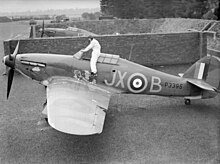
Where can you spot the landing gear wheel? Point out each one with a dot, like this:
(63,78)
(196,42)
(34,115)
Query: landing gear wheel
(187,101)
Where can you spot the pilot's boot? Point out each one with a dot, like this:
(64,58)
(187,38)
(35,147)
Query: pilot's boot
(93,74)
(92,77)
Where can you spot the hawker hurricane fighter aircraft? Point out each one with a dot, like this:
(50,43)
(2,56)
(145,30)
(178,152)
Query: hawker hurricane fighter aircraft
(61,32)
(77,106)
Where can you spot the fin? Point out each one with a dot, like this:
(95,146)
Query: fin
(205,73)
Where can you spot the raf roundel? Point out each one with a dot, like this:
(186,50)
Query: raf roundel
(137,83)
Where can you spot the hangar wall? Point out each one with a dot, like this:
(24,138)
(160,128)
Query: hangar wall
(145,49)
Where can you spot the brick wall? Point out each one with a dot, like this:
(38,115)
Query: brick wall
(145,49)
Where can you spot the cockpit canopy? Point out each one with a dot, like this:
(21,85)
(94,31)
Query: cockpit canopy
(108,58)
(103,58)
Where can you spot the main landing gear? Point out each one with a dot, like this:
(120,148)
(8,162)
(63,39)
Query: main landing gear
(187,101)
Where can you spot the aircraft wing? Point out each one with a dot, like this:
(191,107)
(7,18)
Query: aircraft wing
(76,107)
(201,84)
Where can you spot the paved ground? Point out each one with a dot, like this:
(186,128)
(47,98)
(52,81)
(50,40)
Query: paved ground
(138,129)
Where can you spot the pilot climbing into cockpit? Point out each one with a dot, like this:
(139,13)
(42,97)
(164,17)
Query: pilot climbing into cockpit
(96,50)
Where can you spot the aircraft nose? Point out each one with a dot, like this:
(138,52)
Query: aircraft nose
(8,62)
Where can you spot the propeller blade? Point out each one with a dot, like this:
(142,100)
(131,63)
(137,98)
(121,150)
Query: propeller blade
(31,33)
(16,49)
(10,80)
(14,53)
(42,31)
(11,70)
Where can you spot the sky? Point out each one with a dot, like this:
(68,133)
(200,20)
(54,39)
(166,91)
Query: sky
(33,5)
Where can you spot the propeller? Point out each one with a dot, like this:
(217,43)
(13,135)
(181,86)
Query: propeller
(31,32)
(11,64)
(10,80)
(42,31)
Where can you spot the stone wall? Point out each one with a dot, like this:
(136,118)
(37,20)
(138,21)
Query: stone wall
(145,49)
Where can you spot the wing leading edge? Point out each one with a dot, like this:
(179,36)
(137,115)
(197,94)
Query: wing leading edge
(76,108)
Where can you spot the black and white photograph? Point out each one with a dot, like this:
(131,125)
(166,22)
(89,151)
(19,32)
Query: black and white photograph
(110,81)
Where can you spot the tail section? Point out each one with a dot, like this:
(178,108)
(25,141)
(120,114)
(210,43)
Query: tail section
(205,74)
(206,69)
(213,76)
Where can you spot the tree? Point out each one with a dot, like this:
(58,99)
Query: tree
(91,16)
(154,8)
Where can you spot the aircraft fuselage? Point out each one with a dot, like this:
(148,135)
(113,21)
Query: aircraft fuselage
(126,76)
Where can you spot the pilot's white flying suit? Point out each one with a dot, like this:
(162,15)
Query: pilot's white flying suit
(95,46)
